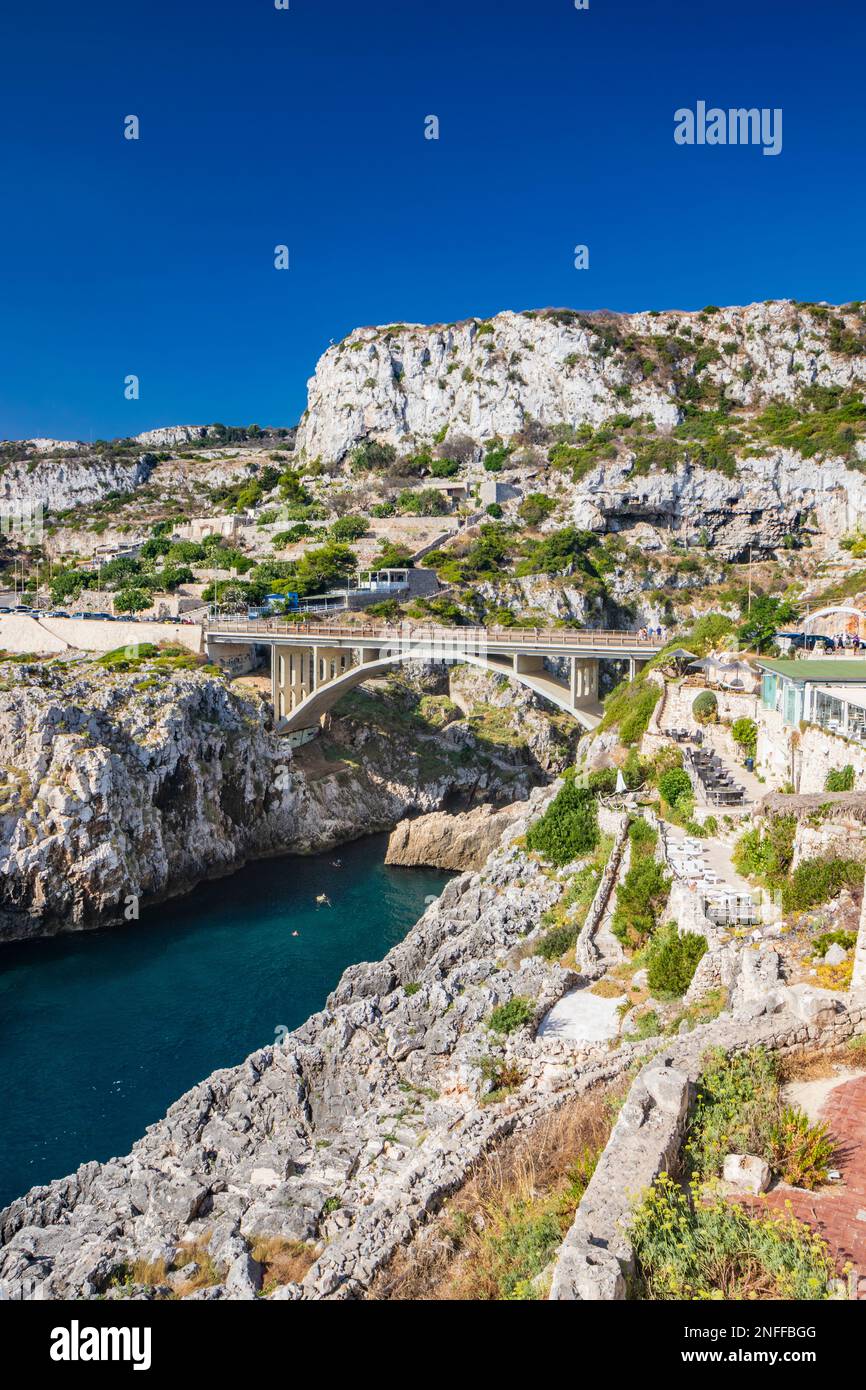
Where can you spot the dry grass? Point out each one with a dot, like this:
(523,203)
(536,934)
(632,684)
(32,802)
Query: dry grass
(285,1261)
(148,1272)
(496,1234)
(607,989)
(208,1273)
(812,1066)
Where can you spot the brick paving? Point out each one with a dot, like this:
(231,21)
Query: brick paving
(838,1212)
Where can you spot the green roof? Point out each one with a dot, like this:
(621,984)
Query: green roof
(821,671)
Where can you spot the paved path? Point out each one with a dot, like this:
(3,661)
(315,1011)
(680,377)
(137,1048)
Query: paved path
(581,1016)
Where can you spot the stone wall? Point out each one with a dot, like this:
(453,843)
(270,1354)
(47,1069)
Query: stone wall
(732,704)
(858,980)
(48,636)
(587,954)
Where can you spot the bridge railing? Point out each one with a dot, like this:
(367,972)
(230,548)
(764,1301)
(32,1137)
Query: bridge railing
(441,636)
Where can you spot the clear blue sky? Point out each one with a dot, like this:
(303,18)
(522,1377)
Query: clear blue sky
(305,127)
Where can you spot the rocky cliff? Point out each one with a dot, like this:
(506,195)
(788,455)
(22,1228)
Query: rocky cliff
(443,841)
(708,427)
(489,379)
(71,479)
(119,787)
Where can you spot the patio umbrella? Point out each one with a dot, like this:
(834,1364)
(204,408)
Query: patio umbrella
(679,654)
(620,783)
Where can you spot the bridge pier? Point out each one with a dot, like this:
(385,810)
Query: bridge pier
(528,661)
(584,681)
(635,664)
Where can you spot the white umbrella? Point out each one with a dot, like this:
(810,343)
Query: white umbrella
(620,782)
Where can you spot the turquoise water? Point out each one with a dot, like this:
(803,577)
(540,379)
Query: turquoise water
(100,1032)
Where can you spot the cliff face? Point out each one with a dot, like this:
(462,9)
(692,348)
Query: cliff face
(491,379)
(70,480)
(133,785)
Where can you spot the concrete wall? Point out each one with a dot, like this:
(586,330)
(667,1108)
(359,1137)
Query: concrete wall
(819,752)
(48,636)
(806,757)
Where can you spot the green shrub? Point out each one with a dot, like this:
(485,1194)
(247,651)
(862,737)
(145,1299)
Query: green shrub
(840,779)
(705,707)
(640,898)
(800,1152)
(768,854)
(554,944)
(745,732)
(671,961)
(629,708)
(569,826)
(821,944)
(819,880)
(642,836)
(736,1099)
(602,782)
(507,1018)
(739,1109)
(674,785)
(717,1249)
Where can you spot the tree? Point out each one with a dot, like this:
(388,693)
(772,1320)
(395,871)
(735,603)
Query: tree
(535,508)
(323,568)
(373,456)
(66,585)
(132,600)
(292,489)
(768,615)
(444,468)
(187,552)
(427,501)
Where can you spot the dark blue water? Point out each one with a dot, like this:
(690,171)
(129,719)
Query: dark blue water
(100,1032)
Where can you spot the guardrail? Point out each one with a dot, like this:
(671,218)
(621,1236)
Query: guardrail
(453,636)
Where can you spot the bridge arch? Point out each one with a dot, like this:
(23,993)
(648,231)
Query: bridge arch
(579,697)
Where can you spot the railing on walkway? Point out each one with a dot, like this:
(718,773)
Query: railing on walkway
(441,636)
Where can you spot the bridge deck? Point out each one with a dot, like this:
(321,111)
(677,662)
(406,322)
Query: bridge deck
(546,641)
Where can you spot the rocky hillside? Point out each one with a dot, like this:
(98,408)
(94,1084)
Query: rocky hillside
(706,424)
(344,1134)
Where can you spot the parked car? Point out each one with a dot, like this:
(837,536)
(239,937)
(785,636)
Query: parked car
(5,610)
(56,613)
(23,608)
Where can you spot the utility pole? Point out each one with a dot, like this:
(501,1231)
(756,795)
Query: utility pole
(750,579)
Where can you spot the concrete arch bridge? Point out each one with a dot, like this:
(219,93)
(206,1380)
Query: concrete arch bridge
(313,665)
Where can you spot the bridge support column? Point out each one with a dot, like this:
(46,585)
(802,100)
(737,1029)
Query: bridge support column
(527,661)
(584,681)
(635,664)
